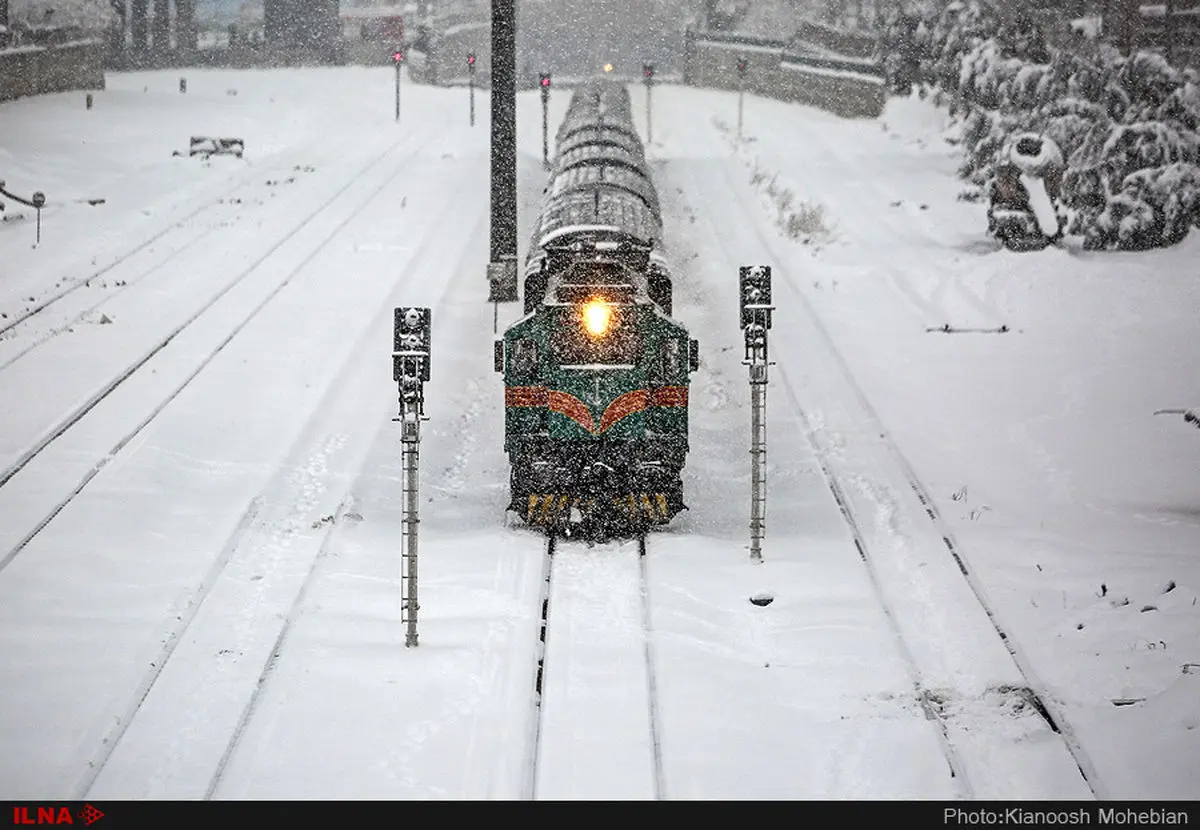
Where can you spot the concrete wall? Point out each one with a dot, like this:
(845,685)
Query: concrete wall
(36,70)
(844,43)
(446,60)
(843,92)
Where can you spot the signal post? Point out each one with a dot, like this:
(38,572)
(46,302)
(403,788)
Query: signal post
(397,59)
(410,369)
(471,83)
(648,76)
(544,84)
(754,292)
(741,70)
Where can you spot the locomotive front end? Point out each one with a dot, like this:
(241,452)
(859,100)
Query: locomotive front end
(596,393)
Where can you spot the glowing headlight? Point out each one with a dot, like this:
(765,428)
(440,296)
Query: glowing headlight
(608,67)
(597,317)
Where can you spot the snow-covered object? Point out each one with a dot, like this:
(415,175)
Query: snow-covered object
(1040,204)
(1034,155)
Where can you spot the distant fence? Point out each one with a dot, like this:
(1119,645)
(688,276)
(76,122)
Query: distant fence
(34,70)
(852,87)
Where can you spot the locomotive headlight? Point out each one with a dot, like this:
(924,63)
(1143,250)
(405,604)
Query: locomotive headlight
(597,317)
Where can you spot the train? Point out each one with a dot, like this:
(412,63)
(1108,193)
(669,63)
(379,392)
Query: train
(596,372)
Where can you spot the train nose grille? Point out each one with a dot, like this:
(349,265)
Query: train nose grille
(548,509)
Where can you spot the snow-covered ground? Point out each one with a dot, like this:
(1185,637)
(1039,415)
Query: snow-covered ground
(983,548)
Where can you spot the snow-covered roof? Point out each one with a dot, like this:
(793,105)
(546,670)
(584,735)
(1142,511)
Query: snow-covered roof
(830,72)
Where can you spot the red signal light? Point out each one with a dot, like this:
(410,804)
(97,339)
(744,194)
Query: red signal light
(398,56)
(545,81)
(471,59)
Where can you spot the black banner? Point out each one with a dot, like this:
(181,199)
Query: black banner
(102,815)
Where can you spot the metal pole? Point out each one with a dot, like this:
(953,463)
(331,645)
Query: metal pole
(758,459)
(545,127)
(754,286)
(649,128)
(397,91)
(502,267)
(741,95)
(1170,37)
(411,438)
(412,337)
(471,85)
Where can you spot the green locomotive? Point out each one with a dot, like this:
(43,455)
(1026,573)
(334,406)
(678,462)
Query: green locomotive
(596,373)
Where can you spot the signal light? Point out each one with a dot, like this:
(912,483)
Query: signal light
(544,80)
(410,350)
(397,56)
(755,295)
(471,59)
(648,70)
(608,67)
(741,65)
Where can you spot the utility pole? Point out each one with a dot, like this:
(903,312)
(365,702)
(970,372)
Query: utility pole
(502,265)
(754,290)
(410,369)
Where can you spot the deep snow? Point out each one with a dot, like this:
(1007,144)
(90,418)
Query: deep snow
(199,577)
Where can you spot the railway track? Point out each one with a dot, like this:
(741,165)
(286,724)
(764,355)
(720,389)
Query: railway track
(968,678)
(126,258)
(943,299)
(595,697)
(246,624)
(889,463)
(324,223)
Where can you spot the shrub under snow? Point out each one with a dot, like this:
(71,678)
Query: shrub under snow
(1129,127)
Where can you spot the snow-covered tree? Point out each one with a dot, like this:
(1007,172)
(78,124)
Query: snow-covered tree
(1128,126)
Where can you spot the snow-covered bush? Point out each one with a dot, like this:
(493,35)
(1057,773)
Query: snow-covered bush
(1128,126)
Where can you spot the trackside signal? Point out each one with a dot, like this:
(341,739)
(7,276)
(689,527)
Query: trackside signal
(754,300)
(411,334)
